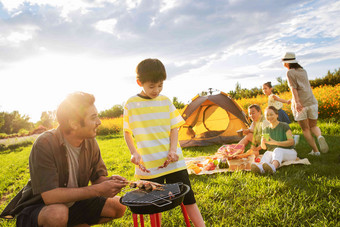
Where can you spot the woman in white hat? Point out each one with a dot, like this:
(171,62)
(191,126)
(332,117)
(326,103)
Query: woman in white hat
(304,104)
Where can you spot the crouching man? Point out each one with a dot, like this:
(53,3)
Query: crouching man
(62,163)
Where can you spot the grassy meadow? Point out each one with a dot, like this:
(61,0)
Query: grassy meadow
(297,195)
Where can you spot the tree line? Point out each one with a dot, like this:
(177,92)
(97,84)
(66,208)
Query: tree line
(331,78)
(15,123)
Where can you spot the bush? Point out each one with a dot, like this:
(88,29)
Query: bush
(38,130)
(115,112)
(177,104)
(12,122)
(23,132)
(330,79)
(329,128)
(3,136)
(110,126)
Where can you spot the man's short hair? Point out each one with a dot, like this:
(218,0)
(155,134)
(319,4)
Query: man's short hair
(74,107)
(257,107)
(151,70)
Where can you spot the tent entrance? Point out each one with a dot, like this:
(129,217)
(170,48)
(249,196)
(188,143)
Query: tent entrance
(212,121)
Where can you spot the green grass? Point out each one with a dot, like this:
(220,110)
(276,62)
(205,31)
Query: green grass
(297,195)
(327,128)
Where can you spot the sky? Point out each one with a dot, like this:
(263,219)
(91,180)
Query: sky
(50,48)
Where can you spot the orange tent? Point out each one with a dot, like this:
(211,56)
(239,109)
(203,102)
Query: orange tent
(212,119)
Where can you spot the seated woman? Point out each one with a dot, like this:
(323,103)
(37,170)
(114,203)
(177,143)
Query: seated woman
(278,140)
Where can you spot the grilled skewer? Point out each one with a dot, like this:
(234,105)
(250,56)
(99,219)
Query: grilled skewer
(165,164)
(146,185)
(141,167)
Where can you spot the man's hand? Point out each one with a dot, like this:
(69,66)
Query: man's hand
(117,178)
(111,187)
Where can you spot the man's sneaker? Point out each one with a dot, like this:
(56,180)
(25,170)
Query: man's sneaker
(314,153)
(269,168)
(257,168)
(323,144)
(296,139)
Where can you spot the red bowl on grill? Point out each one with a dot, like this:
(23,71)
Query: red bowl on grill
(155,205)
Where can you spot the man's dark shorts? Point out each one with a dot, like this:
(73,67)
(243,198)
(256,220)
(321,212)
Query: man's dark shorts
(86,211)
(179,176)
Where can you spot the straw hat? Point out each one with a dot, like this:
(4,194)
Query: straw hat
(289,57)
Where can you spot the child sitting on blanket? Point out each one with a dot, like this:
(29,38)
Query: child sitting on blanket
(278,140)
(154,122)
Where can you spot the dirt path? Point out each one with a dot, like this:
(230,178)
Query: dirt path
(15,140)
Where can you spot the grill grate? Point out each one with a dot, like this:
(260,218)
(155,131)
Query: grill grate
(139,196)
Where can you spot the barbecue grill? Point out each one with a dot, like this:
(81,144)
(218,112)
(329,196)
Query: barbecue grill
(142,202)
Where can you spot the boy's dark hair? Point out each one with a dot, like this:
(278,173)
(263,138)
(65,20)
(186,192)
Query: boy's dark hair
(294,66)
(257,107)
(273,109)
(268,84)
(151,70)
(74,107)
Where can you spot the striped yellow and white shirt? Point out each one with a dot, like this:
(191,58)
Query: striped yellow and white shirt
(150,121)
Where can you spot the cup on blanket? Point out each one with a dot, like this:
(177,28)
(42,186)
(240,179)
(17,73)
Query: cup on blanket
(266,136)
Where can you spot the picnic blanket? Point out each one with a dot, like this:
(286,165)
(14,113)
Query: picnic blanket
(304,161)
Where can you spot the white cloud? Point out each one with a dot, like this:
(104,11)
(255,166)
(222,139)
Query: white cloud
(315,22)
(213,43)
(132,4)
(106,25)
(11,4)
(21,34)
(66,6)
(15,37)
(168,5)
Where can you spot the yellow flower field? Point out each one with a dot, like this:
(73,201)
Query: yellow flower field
(110,126)
(328,98)
(329,101)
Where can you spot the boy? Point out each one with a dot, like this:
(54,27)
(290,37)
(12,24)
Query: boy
(154,122)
